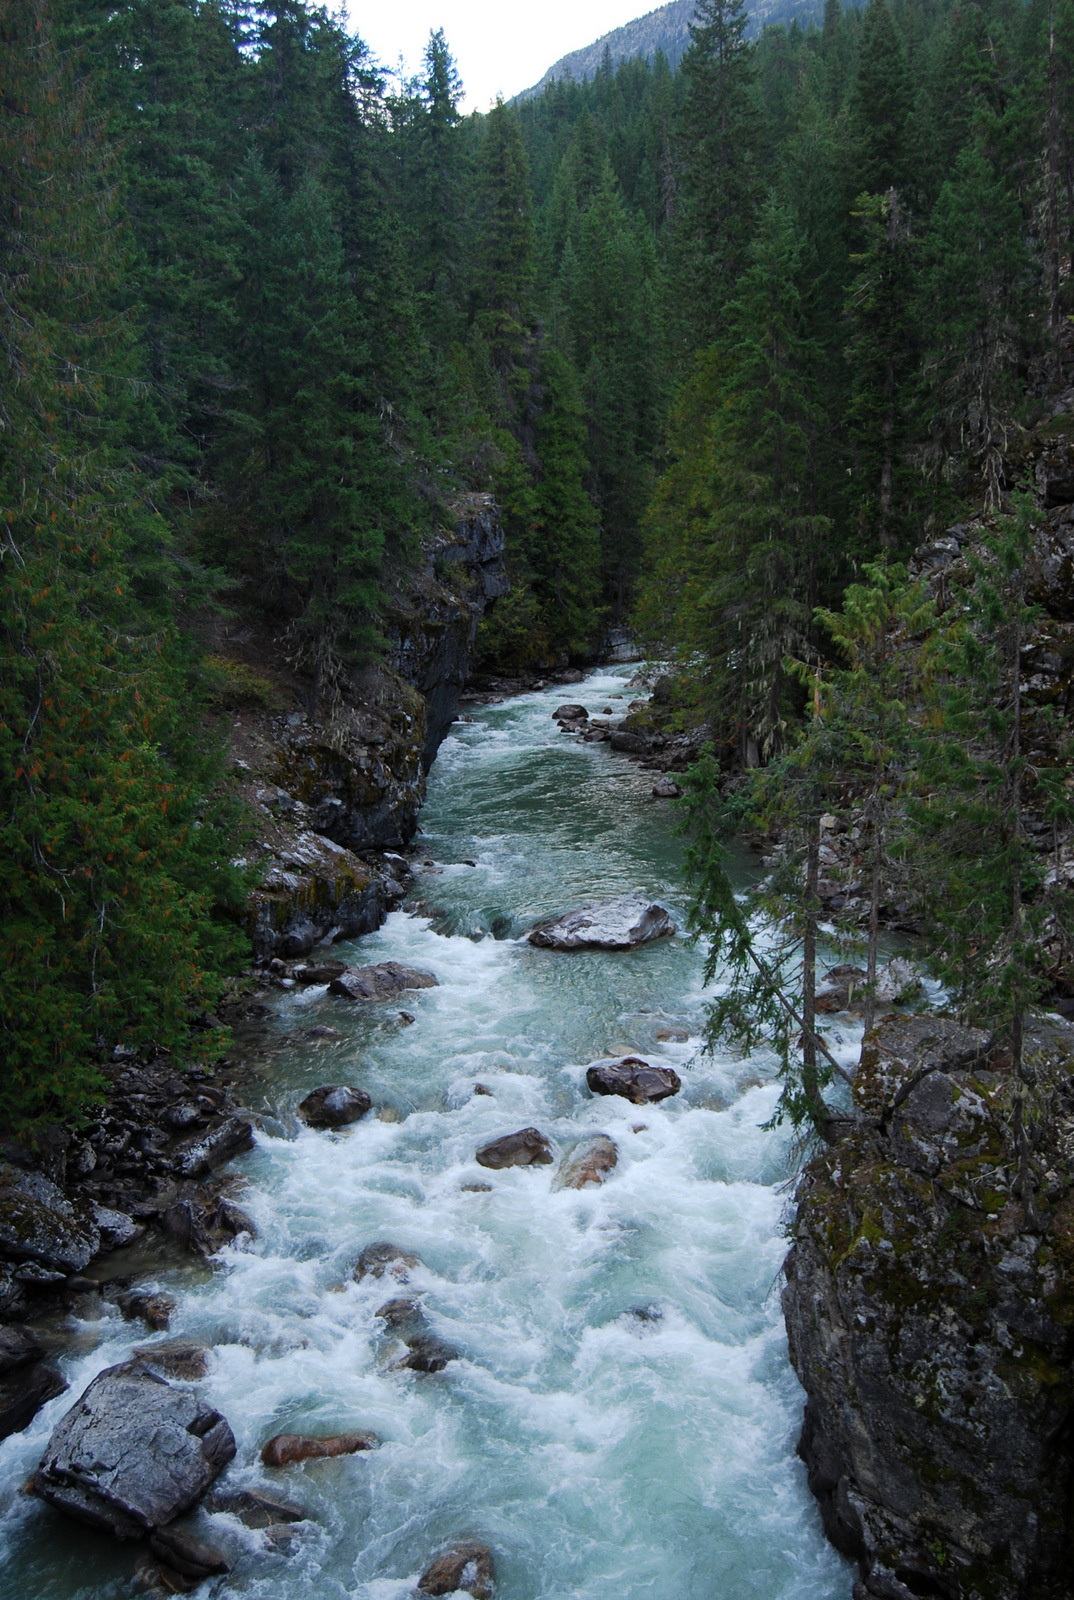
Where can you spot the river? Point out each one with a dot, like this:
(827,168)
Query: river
(621,1420)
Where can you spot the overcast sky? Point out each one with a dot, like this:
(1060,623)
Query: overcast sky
(499,48)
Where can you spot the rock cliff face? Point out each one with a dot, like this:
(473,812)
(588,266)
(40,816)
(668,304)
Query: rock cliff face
(929,1302)
(336,793)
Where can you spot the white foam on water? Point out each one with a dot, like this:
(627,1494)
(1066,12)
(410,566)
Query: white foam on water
(621,1418)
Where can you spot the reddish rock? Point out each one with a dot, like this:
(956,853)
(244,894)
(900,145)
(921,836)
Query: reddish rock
(285,1448)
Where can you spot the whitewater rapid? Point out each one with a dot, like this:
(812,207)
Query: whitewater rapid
(621,1420)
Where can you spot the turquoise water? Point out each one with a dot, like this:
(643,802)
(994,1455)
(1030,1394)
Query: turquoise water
(600,1453)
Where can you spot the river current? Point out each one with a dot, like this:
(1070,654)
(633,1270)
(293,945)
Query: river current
(620,1422)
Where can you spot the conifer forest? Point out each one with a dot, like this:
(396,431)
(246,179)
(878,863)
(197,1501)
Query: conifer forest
(760,371)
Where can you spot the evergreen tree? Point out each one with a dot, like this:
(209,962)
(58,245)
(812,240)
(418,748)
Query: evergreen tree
(974,310)
(883,352)
(744,487)
(882,103)
(107,881)
(504,267)
(719,137)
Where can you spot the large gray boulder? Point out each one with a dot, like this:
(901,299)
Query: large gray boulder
(133,1453)
(38,1224)
(620,923)
(379,982)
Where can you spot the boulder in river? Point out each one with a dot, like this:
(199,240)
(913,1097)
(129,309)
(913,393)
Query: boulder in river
(38,1224)
(377,1259)
(589,1162)
(526,1148)
(666,789)
(571,713)
(634,1079)
(133,1453)
(842,987)
(379,982)
(285,1448)
(334,1106)
(425,1351)
(26,1381)
(465,1567)
(620,923)
(196,1157)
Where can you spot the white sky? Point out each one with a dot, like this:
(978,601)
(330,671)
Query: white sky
(499,48)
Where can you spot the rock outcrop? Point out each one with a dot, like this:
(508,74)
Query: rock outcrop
(929,1302)
(620,923)
(133,1453)
(26,1379)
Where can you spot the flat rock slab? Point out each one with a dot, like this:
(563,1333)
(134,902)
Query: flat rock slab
(635,1080)
(465,1567)
(286,1448)
(588,1162)
(133,1453)
(334,1106)
(526,1148)
(620,923)
(380,982)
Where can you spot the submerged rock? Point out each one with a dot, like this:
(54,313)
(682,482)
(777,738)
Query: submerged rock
(426,1352)
(184,1359)
(253,1509)
(588,1162)
(377,1259)
(133,1453)
(154,1309)
(286,1448)
(334,1106)
(184,1553)
(634,1079)
(620,923)
(465,1567)
(379,982)
(526,1148)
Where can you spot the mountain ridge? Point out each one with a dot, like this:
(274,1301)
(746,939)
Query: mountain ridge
(667,29)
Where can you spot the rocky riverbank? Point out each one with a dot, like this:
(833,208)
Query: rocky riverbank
(332,796)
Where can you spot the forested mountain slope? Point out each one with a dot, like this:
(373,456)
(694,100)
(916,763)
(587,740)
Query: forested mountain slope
(667,31)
